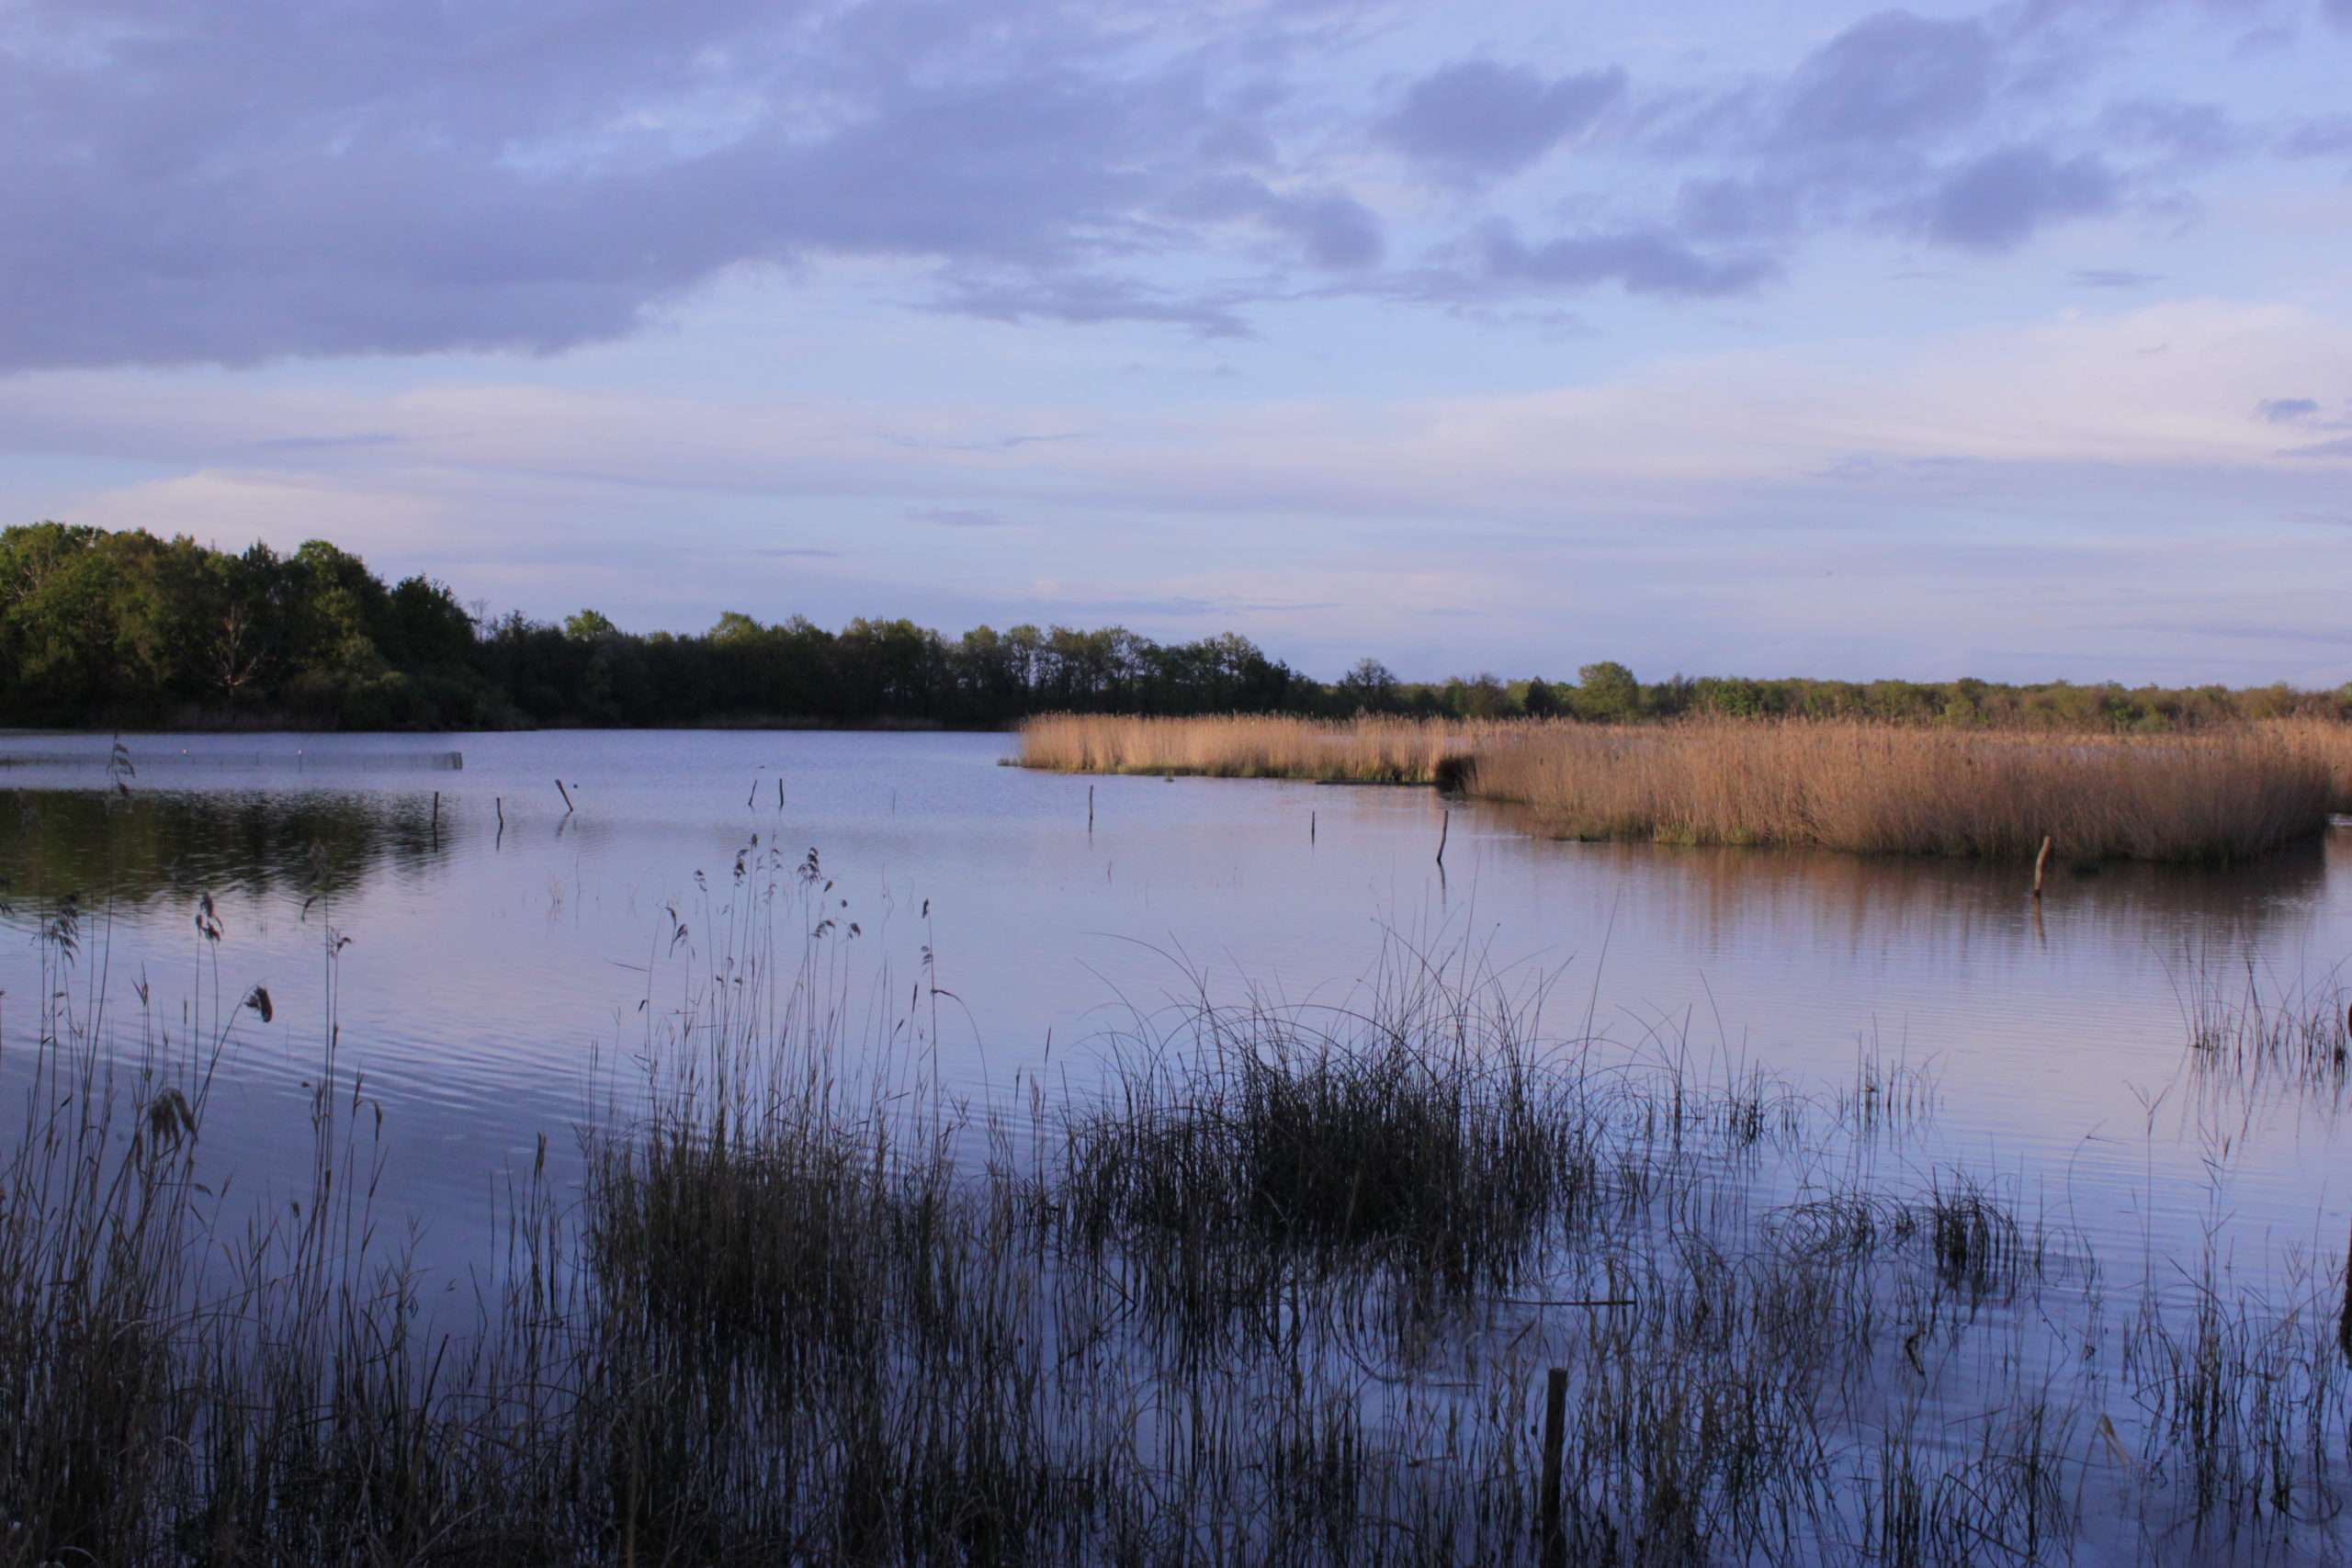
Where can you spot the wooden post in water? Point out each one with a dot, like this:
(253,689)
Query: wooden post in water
(2040,862)
(1089,809)
(1444,826)
(1555,1412)
(779,792)
(2344,1324)
(436,813)
(567,796)
(1310,827)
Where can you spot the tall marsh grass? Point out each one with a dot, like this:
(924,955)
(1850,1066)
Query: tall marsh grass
(2212,797)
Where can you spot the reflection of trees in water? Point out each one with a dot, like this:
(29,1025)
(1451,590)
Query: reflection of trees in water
(1869,899)
(152,845)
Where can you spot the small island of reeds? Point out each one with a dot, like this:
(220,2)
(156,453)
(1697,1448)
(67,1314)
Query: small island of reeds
(2210,796)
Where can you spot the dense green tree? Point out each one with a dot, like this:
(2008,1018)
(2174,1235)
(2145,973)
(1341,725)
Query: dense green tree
(1606,692)
(106,628)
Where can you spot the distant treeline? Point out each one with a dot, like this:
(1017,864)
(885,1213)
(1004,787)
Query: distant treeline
(122,629)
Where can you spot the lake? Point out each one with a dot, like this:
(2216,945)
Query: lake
(1897,1207)
(498,954)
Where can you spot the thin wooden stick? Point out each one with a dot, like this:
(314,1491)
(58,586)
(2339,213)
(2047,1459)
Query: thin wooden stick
(1089,809)
(2040,862)
(2344,1323)
(1444,826)
(567,796)
(1555,1410)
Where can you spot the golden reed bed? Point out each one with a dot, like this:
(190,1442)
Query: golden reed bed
(2213,796)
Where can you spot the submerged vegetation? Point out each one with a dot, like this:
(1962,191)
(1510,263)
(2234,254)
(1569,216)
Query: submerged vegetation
(125,629)
(2213,796)
(1290,1286)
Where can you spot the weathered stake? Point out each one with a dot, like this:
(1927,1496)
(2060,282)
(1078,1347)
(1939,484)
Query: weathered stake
(1310,827)
(2344,1323)
(436,813)
(779,792)
(2041,861)
(1444,826)
(1555,1412)
(567,796)
(1089,809)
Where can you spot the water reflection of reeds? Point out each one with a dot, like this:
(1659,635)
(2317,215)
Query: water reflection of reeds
(1822,897)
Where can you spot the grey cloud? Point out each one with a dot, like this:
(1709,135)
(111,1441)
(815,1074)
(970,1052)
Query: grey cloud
(387,177)
(2338,11)
(1331,228)
(327,443)
(1734,208)
(793,553)
(1891,77)
(1238,141)
(1478,118)
(1883,126)
(2341,448)
(1335,230)
(2186,132)
(1998,201)
(1087,298)
(2267,40)
(2321,138)
(2114,277)
(2286,411)
(1641,260)
(959,517)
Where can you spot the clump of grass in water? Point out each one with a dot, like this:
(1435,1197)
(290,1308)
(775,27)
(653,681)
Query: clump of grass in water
(2298,1036)
(1420,1141)
(1978,1246)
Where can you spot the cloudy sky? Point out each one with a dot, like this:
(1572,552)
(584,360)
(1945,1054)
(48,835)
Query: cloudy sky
(1768,336)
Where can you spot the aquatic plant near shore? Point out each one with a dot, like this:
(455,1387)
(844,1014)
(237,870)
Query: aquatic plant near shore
(791,1315)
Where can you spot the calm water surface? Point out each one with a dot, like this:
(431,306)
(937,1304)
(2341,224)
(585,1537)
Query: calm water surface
(492,985)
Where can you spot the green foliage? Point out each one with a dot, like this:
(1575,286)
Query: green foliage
(589,626)
(1606,692)
(101,628)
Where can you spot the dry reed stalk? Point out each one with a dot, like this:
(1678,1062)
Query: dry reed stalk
(2220,797)
(2323,741)
(1368,750)
(2216,795)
